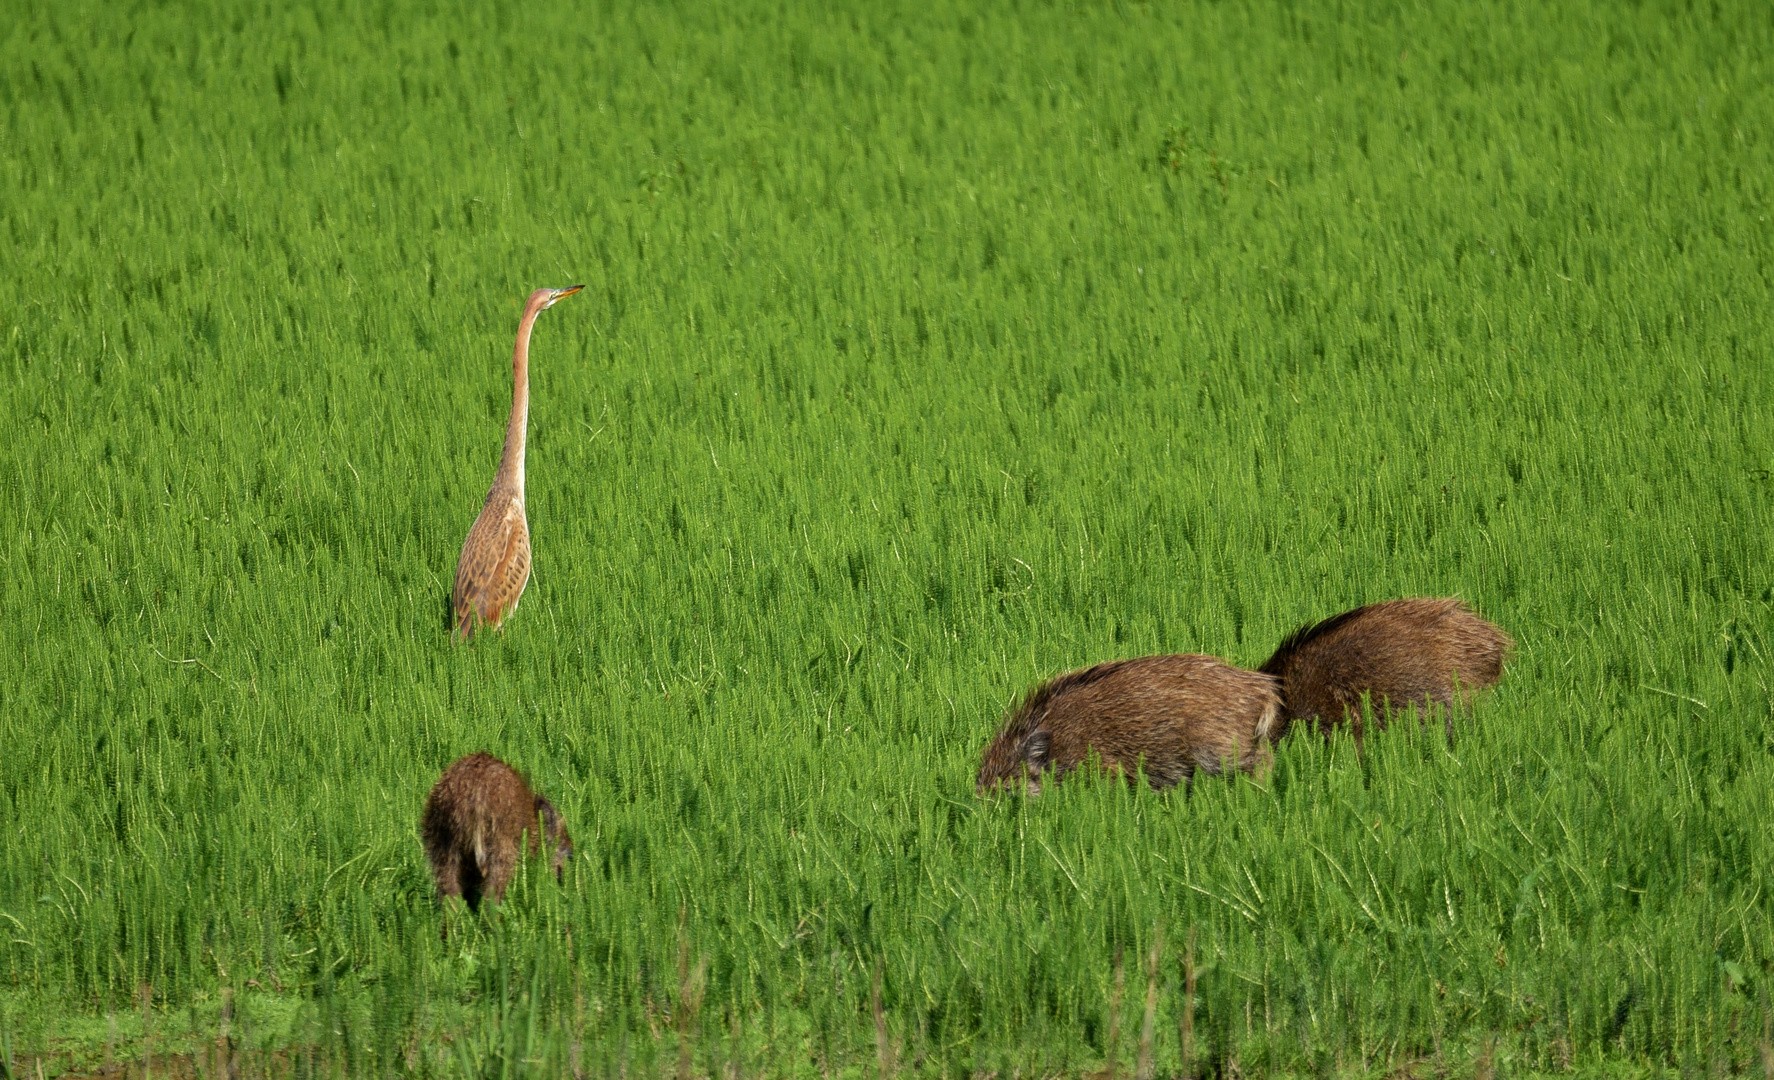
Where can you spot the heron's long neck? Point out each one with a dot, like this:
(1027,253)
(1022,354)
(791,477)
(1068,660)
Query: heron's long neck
(511,463)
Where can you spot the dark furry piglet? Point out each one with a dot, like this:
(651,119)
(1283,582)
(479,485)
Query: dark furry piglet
(474,826)
(1399,653)
(1171,715)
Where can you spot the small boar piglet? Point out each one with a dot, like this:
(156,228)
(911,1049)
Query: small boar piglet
(1398,654)
(474,825)
(1173,716)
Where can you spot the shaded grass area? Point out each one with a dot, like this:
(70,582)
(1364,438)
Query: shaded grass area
(924,356)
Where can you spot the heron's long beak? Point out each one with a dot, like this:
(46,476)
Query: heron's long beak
(562,294)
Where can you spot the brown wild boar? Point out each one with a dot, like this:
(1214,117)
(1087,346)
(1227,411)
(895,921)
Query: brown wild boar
(1174,715)
(1400,653)
(474,825)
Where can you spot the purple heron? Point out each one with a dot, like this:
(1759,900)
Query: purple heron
(495,562)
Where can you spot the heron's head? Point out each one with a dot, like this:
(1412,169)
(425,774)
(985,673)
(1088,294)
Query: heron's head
(556,295)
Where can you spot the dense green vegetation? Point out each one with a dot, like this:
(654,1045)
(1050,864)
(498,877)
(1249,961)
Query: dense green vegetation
(925,354)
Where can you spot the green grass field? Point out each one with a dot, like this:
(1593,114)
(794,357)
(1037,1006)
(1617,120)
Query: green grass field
(924,355)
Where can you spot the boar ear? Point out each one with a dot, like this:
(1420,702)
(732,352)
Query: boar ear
(551,818)
(1035,749)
